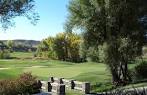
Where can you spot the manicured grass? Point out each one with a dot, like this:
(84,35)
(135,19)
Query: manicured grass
(43,69)
(70,71)
(9,73)
(22,55)
(47,68)
(96,73)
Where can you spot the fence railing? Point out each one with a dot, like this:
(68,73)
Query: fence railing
(58,85)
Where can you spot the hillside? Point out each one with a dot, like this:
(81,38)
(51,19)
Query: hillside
(31,43)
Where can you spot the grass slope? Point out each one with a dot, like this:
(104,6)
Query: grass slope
(43,69)
(47,68)
(96,73)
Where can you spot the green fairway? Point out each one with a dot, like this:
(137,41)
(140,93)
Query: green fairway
(43,69)
(22,55)
(47,68)
(96,73)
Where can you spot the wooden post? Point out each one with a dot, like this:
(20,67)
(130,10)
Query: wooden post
(49,87)
(86,87)
(51,79)
(61,89)
(58,89)
(72,84)
(60,81)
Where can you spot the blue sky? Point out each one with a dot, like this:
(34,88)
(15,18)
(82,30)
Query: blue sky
(52,13)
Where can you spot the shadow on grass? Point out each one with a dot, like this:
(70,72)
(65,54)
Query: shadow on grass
(100,81)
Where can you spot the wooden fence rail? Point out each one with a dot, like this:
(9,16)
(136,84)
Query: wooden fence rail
(58,85)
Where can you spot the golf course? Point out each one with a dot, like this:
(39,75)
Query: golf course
(96,73)
(73,47)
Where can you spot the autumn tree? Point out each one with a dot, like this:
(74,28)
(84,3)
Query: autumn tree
(64,46)
(49,45)
(60,46)
(114,23)
(73,46)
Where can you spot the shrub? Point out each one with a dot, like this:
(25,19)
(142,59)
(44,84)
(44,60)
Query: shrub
(8,87)
(25,84)
(4,54)
(141,70)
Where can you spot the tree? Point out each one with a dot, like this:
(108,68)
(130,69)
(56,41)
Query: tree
(114,23)
(10,9)
(4,51)
(60,46)
(10,43)
(64,46)
(50,45)
(73,46)
(42,49)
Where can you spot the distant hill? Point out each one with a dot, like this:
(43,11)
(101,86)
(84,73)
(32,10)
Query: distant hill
(30,43)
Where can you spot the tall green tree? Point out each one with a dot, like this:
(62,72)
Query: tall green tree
(114,23)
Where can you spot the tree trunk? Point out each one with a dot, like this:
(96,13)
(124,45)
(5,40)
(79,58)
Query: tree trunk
(118,65)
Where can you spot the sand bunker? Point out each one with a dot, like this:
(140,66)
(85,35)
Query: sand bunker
(4,68)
